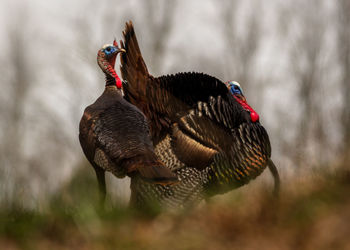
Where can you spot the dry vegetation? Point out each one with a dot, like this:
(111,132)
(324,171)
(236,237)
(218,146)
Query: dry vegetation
(312,213)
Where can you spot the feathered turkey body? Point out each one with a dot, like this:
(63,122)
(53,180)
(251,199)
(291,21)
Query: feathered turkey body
(114,134)
(210,139)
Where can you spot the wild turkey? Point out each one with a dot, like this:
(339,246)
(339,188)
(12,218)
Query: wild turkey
(209,137)
(114,134)
(237,92)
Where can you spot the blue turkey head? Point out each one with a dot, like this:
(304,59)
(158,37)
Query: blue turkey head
(109,50)
(235,88)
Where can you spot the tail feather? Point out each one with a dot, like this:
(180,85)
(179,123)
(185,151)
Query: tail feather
(133,68)
(133,56)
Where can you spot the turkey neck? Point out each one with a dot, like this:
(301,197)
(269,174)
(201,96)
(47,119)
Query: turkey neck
(107,66)
(110,80)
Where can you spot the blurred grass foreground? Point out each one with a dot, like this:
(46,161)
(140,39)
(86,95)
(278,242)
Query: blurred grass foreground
(312,213)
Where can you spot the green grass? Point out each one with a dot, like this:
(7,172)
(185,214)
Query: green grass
(311,213)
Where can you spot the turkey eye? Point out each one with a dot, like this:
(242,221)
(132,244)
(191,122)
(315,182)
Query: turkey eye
(108,49)
(236,87)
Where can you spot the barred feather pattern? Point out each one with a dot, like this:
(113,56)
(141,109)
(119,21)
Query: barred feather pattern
(248,159)
(187,193)
(165,153)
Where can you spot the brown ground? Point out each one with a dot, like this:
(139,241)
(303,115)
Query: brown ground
(311,213)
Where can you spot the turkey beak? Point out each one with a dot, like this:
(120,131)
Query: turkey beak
(120,50)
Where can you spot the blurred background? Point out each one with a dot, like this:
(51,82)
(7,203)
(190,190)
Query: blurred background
(292,59)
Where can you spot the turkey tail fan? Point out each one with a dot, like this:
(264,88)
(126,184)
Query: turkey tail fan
(133,66)
(276,177)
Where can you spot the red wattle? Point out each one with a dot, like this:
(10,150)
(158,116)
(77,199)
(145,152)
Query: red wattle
(254,116)
(118,82)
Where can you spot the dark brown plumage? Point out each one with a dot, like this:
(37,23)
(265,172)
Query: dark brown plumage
(199,130)
(114,134)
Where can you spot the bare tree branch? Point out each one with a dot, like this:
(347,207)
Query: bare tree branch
(242,46)
(307,36)
(158,17)
(343,32)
